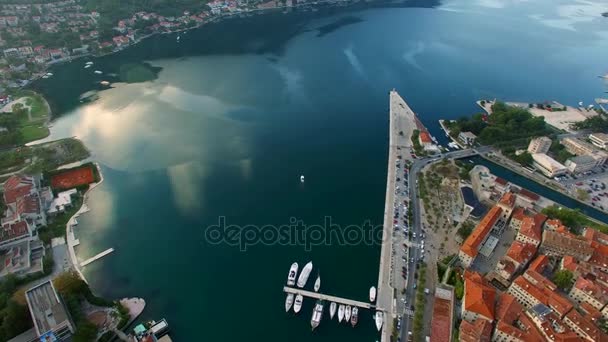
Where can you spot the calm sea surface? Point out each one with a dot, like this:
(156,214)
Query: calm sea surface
(240,109)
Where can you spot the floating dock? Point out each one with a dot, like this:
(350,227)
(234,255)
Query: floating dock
(329,298)
(98,256)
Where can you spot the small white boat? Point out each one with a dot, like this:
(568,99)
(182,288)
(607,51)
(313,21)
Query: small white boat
(340,313)
(318,283)
(105,83)
(317,314)
(347,312)
(98,72)
(355,316)
(89,63)
(303,278)
(302,179)
(288,302)
(49,74)
(372,294)
(379,319)
(87,66)
(293,272)
(332,310)
(297,305)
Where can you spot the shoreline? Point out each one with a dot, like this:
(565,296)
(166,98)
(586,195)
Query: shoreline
(69,227)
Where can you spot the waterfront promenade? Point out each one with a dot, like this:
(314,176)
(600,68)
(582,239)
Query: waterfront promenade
(401,127)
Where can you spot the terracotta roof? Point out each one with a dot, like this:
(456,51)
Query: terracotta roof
(539,263)
(28,205)
(13,230)
(530,328)
(569,263)
(507,308)
(479,296)
(592,289)
(529,194)
(15,187)
(479,331)
(573,318)
(598,258)
(508,199)
(560,304)
(500,181)
(471,244)
(518,214)
(441,321)
(425,137)
(531,229)
(530,288)
(518,334)
(595,235)
(590,311)
(521,252)
(553,223)
(567,242)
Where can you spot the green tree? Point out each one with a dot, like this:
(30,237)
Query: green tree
(563,279)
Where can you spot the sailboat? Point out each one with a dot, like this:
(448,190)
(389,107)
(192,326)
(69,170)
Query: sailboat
(288,302)
(298,303)
(379,319)
(318,282)
(347,312)
(340,313)
(332,310)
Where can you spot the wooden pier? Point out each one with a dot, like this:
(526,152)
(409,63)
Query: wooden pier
(329,298)
(98,256)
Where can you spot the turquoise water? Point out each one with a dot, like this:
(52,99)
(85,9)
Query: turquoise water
(241,108)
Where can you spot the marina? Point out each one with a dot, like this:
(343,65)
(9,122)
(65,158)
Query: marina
(330,298)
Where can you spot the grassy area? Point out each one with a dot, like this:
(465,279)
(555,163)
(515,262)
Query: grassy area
(418,324)
(33,132)
(573,219)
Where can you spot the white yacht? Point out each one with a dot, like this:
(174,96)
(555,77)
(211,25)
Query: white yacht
(318,283)
(293,272)
(372,294)
(87,66)
(302,179)
(379,319)
(303,278)
(332,310)
(340,313)
(98,72)
(298,303)
(317,314)
(347,312)
(288,302)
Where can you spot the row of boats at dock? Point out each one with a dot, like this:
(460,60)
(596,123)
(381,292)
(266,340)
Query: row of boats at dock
(346,313)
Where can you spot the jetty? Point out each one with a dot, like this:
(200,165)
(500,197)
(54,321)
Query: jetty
(97,257)
(330,298)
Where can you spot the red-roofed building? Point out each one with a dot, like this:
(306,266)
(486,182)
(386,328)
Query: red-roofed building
(553,224)
(424,138)
(539,264)
(517,217)
(479,298)
(526,293)
(508,308)
(15,232)
(556,243)
(23,201)
(560,304)
(470,247)
(551,327)
(583,327)
(443,309)
(531,230)
(594,235)
(589,311)
(527,199)
(516,258)
(478,331)
(587,291)
(17,186)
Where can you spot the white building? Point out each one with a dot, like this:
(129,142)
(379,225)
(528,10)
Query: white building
(599,139)
(580,164)
(548,166)
(539,145)
(467,138)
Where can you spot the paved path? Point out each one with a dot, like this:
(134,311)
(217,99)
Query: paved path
(329,298)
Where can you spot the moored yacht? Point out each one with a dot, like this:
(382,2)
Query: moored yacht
(340,313)
(372,294)
(293,272)
(379,319)
(347,312)
(301,178)
(288,302)
(303,278)
(317,314)
(298,303)
(318,283)
(332,310)
(354,316)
